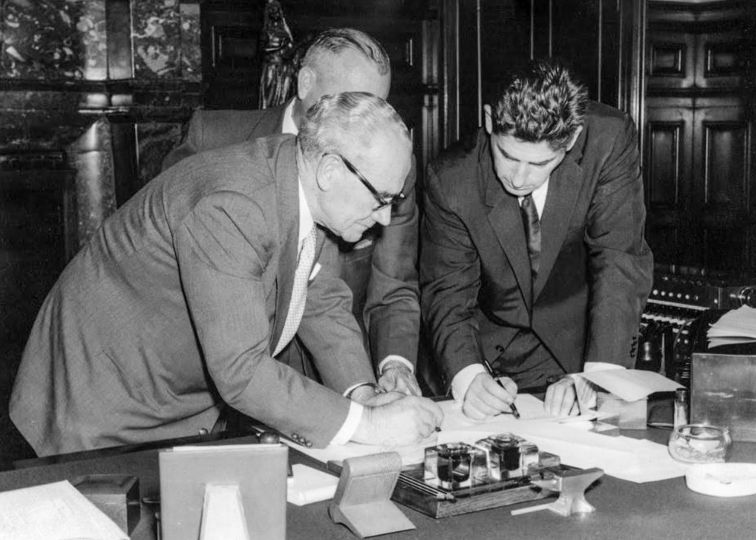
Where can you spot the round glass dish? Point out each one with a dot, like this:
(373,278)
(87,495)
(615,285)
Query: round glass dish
(699,443)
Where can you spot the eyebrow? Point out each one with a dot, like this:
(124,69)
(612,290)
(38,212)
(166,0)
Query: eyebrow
(537,163)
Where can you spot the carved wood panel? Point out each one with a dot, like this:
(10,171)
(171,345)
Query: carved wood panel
(699,135)
(669,162)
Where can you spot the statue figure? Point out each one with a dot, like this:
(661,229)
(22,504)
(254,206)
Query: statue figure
(280,57)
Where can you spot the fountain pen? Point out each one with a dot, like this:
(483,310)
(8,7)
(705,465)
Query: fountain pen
(492,373)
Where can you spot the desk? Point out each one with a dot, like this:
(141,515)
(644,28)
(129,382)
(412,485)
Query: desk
(664,509)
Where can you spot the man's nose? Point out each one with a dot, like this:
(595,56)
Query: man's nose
(383,215)
(520,176)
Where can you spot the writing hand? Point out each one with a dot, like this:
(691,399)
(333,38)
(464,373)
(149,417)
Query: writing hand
(485,398)
(403,421)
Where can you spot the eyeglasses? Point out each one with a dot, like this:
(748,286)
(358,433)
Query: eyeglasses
(383,202)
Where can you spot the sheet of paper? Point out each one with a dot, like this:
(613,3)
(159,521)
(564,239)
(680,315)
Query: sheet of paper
(54,511)
(454,421)
(635,460)
(623,457)
(631,384)
(308,485)
(734,327)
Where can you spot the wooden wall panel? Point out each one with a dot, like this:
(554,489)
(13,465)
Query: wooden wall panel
(668,163)
(698,63)
(672,57)
(664,162)
(726,178)
(491,37)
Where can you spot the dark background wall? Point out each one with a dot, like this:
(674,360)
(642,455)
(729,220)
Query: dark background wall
(93,94)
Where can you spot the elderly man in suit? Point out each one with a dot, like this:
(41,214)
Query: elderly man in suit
(180,300)
(533,255)
(379,267)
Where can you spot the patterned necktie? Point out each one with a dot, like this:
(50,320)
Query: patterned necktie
(298,291)
(532,232)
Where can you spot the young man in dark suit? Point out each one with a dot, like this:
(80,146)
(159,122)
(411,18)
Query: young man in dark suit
(177,306)
(533,255)
(380,267)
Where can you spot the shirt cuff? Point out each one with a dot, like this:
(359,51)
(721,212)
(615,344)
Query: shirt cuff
(397,358)
(349,426)
(462,380)
(348,392)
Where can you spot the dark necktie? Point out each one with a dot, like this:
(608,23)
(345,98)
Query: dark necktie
(532,232)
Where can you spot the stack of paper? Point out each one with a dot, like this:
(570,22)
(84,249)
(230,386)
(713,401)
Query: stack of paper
(307,485)
(631,384)
(53,512)
(734,327)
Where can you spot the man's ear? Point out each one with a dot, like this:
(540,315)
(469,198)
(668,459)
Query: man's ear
(488,118)
(326,173)
(305,82)
(578,131)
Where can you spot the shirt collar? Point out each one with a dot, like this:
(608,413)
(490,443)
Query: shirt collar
(288,125)
(539,197)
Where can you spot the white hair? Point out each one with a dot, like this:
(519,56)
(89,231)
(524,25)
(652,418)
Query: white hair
(346,123)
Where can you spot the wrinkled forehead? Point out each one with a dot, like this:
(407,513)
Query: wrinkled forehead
(516,149)
(387,161)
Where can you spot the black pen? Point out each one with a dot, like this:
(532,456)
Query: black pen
(491,372)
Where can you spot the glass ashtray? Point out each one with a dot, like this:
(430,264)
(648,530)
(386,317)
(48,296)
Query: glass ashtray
(699,443)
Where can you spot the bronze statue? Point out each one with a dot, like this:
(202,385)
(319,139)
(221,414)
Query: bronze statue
(279,57)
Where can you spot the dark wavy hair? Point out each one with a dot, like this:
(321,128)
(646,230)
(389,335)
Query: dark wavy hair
(541,102)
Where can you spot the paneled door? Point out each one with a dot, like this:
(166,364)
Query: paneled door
(699,134)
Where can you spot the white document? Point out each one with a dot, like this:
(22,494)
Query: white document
(631,459)
(631,384)
(54,511)
(307,485)
(734,327)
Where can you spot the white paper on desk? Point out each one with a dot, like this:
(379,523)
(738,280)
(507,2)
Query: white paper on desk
(54,511)
(631,384)
(307,485)
(529,407)
(454,422)
(635,460)
(623,457)
(734,327)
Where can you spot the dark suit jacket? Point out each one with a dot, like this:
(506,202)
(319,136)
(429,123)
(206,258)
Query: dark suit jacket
(595,270)
(381,270)
(173,308)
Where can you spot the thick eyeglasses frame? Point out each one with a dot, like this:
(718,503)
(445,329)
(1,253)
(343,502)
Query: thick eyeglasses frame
(382,201)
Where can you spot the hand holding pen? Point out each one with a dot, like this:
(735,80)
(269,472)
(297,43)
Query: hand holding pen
(487,396)
(492,373)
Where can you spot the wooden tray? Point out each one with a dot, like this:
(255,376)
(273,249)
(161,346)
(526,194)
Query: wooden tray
(437,502)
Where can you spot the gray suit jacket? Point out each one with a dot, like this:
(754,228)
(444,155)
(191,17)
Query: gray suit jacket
(595,270)
(174,307)
(381,270)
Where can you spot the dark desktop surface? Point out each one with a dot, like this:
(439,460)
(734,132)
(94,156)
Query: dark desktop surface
(664,509)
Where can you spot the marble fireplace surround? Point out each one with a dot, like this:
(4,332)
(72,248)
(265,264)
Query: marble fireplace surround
(99,88)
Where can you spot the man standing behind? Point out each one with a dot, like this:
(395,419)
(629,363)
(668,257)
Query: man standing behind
(533,254)
(380,267)
(179,302)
